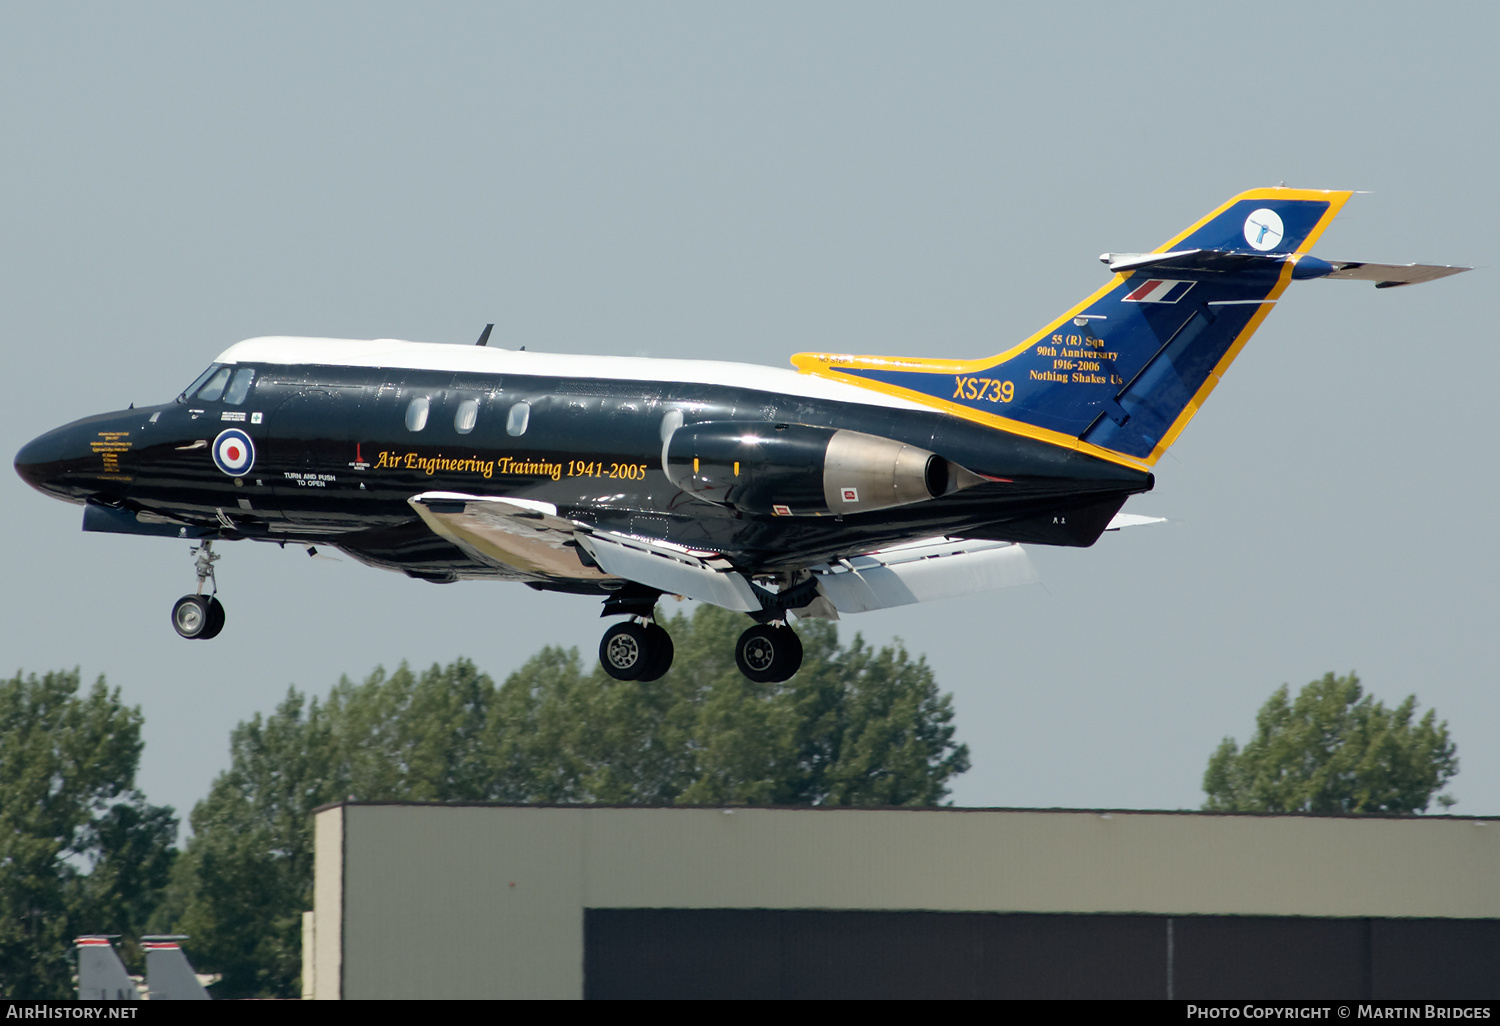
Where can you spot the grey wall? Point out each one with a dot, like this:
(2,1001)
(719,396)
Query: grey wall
(483,901)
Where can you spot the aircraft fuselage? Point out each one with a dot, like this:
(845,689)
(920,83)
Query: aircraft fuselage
(336,451)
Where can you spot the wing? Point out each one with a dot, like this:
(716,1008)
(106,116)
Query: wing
(528,537)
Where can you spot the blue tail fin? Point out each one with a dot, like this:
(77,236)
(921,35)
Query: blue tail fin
(1123,372)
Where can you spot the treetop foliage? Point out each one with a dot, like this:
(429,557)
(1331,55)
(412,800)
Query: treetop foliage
(1334,749)
(68,803)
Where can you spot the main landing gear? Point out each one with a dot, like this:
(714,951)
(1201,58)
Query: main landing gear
(768,653)
(639,649)
(198,615)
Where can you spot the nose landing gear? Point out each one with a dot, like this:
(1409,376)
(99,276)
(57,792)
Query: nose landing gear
(637,649)
(198,615)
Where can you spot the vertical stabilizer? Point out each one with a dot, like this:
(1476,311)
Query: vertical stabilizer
(1120,374)
(101,974)
(169,977)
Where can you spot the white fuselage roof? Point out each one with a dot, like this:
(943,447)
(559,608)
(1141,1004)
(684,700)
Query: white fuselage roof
(396,353)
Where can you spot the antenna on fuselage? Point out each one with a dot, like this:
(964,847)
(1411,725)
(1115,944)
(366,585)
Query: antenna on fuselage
(484,336)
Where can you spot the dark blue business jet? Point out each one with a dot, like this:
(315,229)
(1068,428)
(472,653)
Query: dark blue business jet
(850,483)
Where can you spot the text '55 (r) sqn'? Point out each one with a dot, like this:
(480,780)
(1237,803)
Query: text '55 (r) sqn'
(846,484)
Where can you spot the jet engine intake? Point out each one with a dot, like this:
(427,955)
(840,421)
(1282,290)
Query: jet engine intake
(802,470)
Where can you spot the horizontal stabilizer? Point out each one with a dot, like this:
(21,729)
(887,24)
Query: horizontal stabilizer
(1194,260)
(1201,263)
(1387,276)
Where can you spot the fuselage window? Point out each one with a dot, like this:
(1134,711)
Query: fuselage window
(468,413)
(215,387)
(416,413)
(239,385)
(517,419)
(198,382)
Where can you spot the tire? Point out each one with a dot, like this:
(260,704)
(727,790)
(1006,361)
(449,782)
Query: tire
(768,655)
(793,661)
(625,651)
(191,617)
(659,644)
(215,619)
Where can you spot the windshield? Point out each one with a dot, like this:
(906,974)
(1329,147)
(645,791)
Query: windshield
(210,392)
(239,387)
(198,382)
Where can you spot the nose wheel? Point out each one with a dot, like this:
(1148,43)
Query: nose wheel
(768,654)
(200,616)
(636,650)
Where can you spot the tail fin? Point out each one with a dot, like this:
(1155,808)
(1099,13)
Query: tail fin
(1123,372)
(169,977)
(101,974)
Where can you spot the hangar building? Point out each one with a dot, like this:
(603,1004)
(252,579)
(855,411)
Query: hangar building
(486,901)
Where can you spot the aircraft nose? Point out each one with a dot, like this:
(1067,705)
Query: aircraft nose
(74,462)
(40,459)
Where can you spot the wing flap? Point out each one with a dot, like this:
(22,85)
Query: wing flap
(670,570)
(516,534)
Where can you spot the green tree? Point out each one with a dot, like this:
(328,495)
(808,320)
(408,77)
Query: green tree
(1334,749)
(855,727)
(80,849)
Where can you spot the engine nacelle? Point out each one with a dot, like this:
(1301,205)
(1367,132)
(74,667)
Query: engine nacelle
(801,470)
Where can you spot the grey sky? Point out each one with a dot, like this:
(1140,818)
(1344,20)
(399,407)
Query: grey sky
(746,182)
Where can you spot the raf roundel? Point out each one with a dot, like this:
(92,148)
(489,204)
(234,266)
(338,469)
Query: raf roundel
(234,453)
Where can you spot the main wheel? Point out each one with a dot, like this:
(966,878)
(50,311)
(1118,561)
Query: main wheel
(215,619)
(768,655)
(660,647)
(625,651)
(191,616)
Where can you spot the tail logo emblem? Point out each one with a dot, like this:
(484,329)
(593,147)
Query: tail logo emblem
(1263,229)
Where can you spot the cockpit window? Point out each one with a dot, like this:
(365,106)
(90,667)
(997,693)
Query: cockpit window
(215,387)
(198,382)
(239,385)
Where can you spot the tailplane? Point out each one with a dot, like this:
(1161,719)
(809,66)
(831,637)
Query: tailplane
(1123,372)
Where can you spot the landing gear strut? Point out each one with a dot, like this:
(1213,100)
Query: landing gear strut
(768,654)
(637,649)
(198,615)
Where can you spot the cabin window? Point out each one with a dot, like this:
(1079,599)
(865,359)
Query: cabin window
(416,413)
(517,419)
(239,385)
(215,387)
(468,413)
